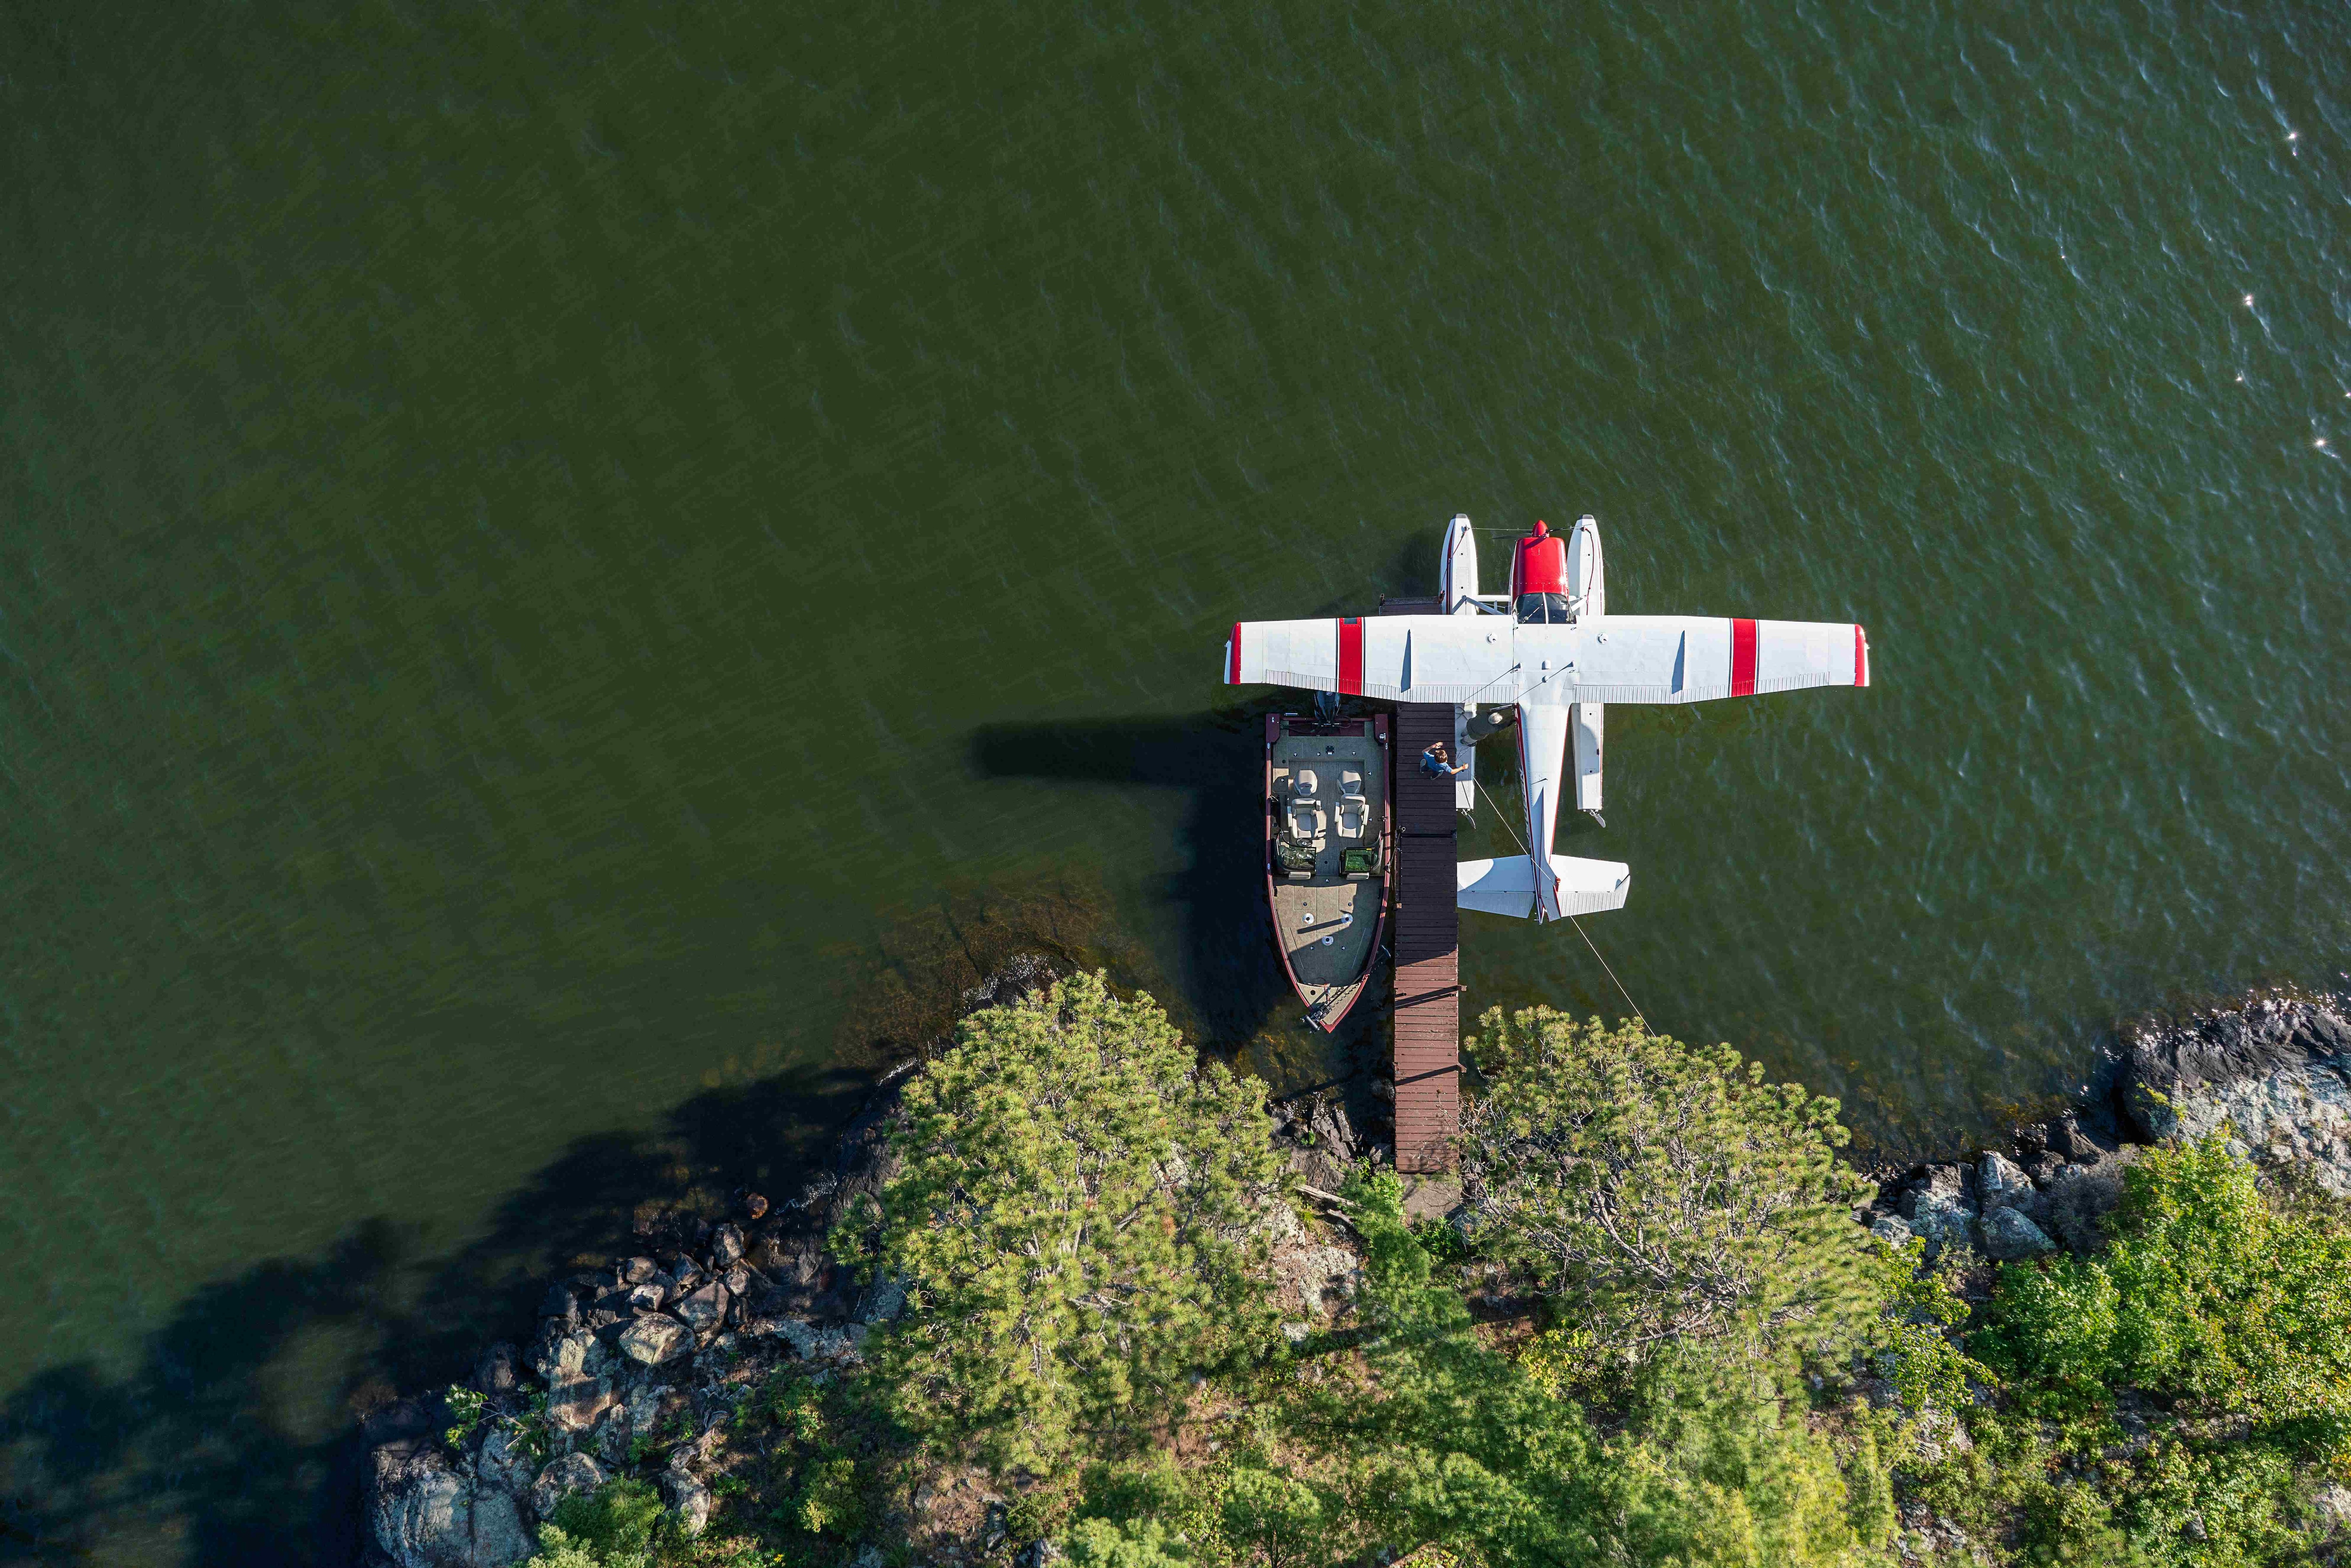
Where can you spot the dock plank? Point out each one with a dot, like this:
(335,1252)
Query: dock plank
(1425,922)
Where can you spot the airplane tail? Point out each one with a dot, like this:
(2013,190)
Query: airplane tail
(1506,886)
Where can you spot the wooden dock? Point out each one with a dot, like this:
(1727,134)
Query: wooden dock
(1426,930)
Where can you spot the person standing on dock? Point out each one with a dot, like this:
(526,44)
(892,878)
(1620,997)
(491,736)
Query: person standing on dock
(1437,762)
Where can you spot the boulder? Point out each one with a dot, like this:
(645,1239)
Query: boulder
(2009,1235)
(2081,1197)
(577,1404)
(725,1245)
(1942,1223)
(654,1339)
(612,1435)
(498,1373)
(646,1298)
(2045,1169)
(1891,1229)
(2001,1183)
(688,1499)
(502,1465)
(702,1310)
(562,1477)
(560,1304)
(579,1353)
(2068,1139)
(635,1271)
(422,1512)
(2276,1072)
(884,1301)
(807,1341)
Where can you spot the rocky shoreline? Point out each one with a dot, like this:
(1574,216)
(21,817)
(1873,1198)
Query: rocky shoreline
(637,1367)
(2273,1072)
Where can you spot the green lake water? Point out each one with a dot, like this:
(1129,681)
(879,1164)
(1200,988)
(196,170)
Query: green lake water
(570,573)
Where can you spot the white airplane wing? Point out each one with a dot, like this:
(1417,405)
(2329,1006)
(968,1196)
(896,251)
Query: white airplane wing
(1695,659)
(1398,658)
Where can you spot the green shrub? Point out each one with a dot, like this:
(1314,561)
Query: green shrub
(615,1523)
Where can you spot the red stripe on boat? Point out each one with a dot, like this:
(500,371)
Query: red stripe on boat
(1742,658)
(1233,657)
(1860,657)
(1350,657)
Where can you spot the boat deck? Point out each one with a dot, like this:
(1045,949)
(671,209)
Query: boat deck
(1330,794)
(1427,936)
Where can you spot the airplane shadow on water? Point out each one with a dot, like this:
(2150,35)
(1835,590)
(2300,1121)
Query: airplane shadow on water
(1230,979)
(191,1455)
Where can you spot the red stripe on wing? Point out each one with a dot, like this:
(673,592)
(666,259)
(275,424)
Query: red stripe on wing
(1860,657)
(1742,658)
(1350,657)
(1233,657)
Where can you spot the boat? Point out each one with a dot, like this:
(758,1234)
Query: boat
(1328,850)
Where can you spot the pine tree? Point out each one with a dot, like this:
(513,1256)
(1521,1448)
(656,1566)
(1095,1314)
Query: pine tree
(1665,1191)
(1075,1216)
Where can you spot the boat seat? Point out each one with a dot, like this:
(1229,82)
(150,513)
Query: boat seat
(1306,820)
(1351,781)
(1302,784)
(1353,814)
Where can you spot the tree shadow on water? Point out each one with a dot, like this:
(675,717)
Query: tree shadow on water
(233,1440)
(1229,979)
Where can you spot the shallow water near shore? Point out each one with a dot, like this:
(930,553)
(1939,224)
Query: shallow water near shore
(572,572)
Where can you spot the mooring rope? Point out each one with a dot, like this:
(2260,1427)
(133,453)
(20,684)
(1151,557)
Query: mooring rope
(1571,920)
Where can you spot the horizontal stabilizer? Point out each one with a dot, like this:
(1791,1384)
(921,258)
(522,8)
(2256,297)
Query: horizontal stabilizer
(1506,886)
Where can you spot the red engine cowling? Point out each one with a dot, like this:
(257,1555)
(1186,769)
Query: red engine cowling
(1540,564)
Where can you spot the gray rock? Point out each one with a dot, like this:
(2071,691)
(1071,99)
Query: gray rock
(2080,1198)
(579,1353)
(562,1477)
(577,1404)
(1891,1229)
(702,1310)
(2001,1183)
(498,1373)
(808,1342)
(560,1304)
(1942,1223)
(425,1513)
(646,1298)
(2009,1235)
(2045,1169)
(688,1499)
(2276,1072)
(635,1271)
(655,1339)
(884,1301)
(727,1245)
(612,1435)
(502,1465)
(2069,1140)
(684,1275)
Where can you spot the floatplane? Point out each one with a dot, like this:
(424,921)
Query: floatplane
(1548,649)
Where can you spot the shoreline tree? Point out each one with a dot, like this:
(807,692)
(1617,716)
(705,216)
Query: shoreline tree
(1663,1191)
(1074,1213)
